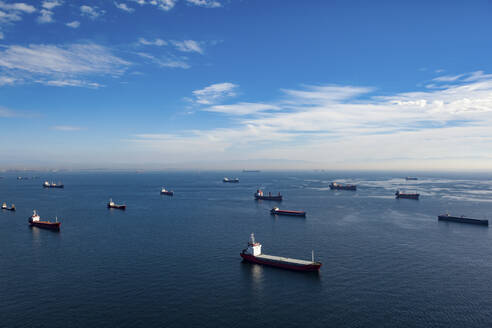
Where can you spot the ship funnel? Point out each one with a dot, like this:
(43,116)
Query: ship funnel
(252,239)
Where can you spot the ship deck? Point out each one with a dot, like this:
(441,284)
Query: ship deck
(283,259)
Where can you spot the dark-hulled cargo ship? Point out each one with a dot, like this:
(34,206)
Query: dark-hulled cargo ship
(231,180)
(259,195)
(112,204)
(167,192)
(399,195)
(462,219)
(339,186)
(47,184)
(253,254)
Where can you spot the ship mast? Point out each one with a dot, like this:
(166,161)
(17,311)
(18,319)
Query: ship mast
(252,238)
(312,255)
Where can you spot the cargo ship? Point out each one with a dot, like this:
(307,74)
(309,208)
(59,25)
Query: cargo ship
(231,180)
(410,178)
(399,195)
(338,186)
(11,208)
(253,254)
(35,221)
(462,219)
(277,211)
(167,192)
(47,184)
(251,171)
(259,195)
(112,204)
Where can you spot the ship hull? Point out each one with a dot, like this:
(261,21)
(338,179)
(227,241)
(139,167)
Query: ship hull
(288,213)
(274,198)
(353,188)
(45,225)
(415,197)
(283,265)
(462,220)
(167,193)
(118,207)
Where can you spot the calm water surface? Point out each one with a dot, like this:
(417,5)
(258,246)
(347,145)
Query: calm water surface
(174,261)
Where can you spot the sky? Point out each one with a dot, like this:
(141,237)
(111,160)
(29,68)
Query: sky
(233,84)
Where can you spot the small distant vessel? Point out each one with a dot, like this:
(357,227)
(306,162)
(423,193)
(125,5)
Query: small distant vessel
(259,195)
(167,192)
(112,204)
(253,254)
(462,219)
(52,184)
(11,208)
(339,186)
(277,211)
(35,221)
(399,194)
(231,180)
(251,171)
(410,178)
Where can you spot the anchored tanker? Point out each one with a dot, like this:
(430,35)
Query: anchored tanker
(259,195)
(400,194)
(338,186)
(253,254)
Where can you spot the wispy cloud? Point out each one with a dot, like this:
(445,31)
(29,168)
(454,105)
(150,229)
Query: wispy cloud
(91,12)
(165,61)
(205,3)
(124,7)
(1,35)
(5,112)
(448,78)
(214,93)
(74,24)
(242,108)
(188,46)
(48,63)
(66,128)
(156,42)
(346,126)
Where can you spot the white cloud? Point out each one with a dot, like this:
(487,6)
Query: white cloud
(70,83)
(213,93)
(20,6)
(448,78)
(46,12)
(205,3)
(242,108)
(46,16)
(1,35)
(165,5)
(124,7)
(5,112)
(156,42)
(66,128)
(91,12)
(170,62)
(345,127)
(74,24)
(7,80)
(45,63)
(51,4)
(12,12)
(188,46)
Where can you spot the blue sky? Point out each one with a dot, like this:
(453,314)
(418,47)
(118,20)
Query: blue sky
(231,84)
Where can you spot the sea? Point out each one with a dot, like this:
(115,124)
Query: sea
(174,261)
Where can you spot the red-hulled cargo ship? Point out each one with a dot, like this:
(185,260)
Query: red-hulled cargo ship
(253,254)
(112,204)
(259,195)
(277,211)
(35,221)
(399,195)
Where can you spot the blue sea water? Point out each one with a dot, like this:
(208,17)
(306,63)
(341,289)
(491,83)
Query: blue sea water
(174,261)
